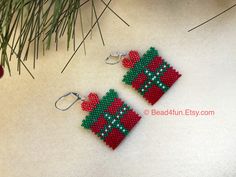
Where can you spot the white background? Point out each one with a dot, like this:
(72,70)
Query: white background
(37,140)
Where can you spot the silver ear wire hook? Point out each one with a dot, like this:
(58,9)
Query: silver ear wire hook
(117,55)
(77,95)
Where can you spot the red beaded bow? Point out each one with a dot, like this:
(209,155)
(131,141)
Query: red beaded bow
(90,103)
(133,58)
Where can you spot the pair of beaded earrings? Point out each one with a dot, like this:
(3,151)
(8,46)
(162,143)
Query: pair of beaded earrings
(110,118)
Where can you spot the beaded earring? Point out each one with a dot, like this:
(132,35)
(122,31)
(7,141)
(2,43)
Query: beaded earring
(150,74)
(109,117)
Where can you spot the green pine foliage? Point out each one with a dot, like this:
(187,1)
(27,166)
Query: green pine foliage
(33,25)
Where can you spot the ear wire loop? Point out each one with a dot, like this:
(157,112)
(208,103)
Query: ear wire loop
(77,95)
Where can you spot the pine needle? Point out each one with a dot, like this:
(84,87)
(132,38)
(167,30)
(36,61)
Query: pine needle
(25,25)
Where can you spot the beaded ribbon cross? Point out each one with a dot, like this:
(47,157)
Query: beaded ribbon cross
(150,75)
(109,118)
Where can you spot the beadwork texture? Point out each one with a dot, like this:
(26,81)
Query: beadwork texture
(151,76)
(111,120)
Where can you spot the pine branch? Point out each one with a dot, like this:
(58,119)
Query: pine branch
(37,25)
(25,25)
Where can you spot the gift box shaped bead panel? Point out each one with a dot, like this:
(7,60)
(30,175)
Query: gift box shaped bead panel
(151,76)
(111,119)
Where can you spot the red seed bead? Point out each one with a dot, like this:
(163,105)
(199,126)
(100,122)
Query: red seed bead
(127,63)
(86,106)
(1,71)
(93,98)
(134,56)
(90,103)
